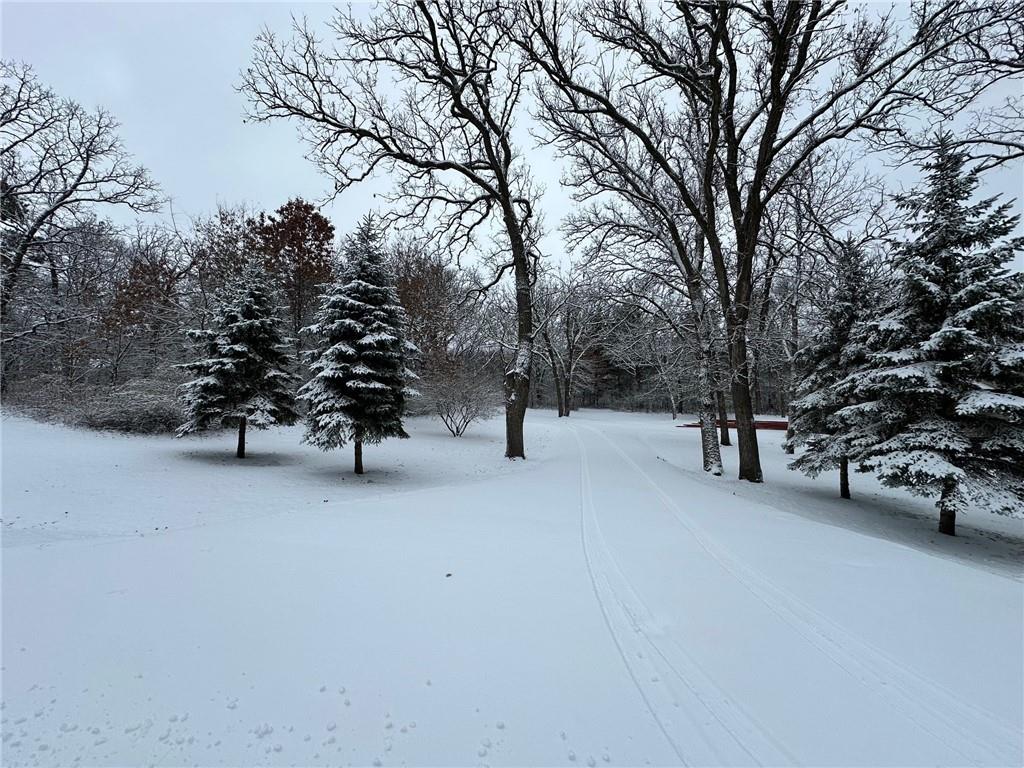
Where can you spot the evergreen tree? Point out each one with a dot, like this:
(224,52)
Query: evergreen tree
(826,361)
(939,402)
(242,378)
(358,387)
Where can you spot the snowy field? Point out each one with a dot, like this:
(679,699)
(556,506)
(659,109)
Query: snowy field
(602,603)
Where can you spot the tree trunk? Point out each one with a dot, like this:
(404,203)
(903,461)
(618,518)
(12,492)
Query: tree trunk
(723,418)
(703,335)
(567,390)
(240,453)
(947,511)
(735,312)
(517,379)
(359,456)
(711,453)
(844,478)
(755,379)
(517,390)
(746,434)
(556,376)
(794,337)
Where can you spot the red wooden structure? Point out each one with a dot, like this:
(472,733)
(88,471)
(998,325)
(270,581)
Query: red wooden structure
(780,424)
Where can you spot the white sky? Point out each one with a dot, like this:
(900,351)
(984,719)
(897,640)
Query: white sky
(168,72)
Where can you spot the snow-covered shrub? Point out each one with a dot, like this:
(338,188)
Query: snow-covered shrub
(142,406)
(462,395)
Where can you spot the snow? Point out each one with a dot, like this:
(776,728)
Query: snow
(988,402)
(603,603)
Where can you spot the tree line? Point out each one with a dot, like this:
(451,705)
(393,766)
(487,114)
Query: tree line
(731,253)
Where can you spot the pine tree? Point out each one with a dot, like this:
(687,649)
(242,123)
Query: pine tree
(358,387)
(242,379)
(826,361)
(939,402)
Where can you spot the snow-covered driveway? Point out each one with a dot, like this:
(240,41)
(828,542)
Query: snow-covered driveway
(601,603)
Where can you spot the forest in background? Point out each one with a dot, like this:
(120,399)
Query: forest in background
(727,254)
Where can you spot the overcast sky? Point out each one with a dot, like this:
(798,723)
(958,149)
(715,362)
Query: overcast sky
(168,72)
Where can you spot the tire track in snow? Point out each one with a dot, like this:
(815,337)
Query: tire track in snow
(970,731)
(603,603)
(714,728)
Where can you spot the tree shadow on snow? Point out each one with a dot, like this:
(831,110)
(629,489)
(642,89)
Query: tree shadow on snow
(910,522)
(383,477)
(983,540)
(226,457)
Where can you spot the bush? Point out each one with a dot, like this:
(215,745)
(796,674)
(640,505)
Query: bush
(142,406)
(461,396)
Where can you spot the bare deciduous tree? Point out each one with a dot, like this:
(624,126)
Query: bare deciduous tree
(457,381)
(573,315)
(56,160)
(445,135)
(631,223)
(730,100)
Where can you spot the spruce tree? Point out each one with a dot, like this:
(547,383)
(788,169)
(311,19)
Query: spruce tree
(939,402)
(358,387)
(826,361)
(242,378)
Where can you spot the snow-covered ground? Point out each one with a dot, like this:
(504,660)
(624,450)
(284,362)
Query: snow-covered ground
(600,603)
